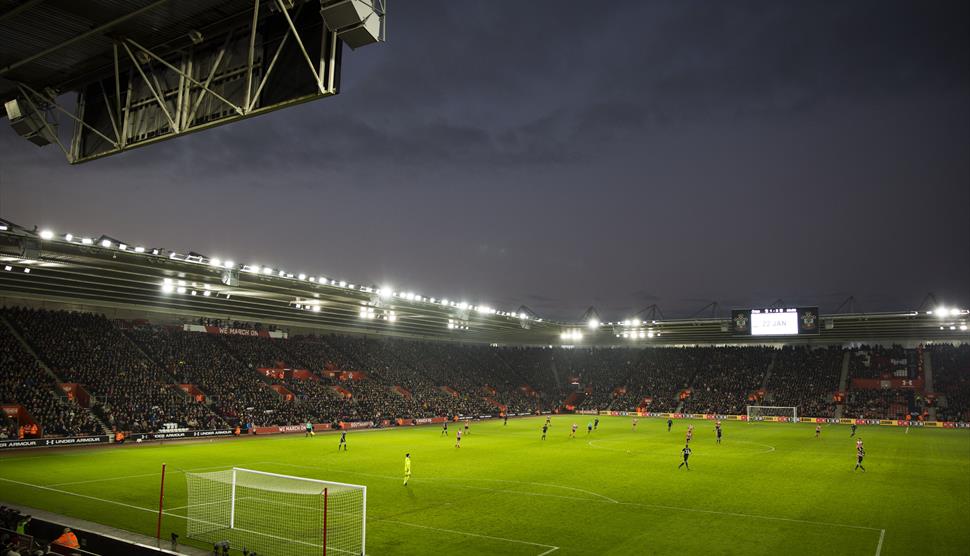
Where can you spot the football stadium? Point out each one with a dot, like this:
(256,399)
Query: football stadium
(163,400)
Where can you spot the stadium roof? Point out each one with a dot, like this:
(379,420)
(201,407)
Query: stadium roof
(104,272)
(61,43)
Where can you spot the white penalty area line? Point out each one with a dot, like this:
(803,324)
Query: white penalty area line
(549,548)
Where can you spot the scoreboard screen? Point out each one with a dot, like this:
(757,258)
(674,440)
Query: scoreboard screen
(775,321)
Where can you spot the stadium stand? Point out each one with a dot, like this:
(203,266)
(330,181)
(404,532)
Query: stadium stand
(951,368)
(142,377)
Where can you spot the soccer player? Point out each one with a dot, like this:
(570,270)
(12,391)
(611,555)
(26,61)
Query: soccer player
(343,441)
(717,428)
(548,424)
(596,423)
(635,421)
(466,428)
(505,422)
(309,429)
(407,468)
(544,429)
(444,429)
(670,423)
(573,434)
(589,428)
(854,426)
(818,431)
(686,452)
(690,433)
(458,439)
(860,453)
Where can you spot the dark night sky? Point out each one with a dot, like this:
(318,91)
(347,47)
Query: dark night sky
(566,154)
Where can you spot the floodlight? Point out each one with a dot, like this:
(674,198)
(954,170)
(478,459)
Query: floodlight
(302,276)
(316,309)
(342,284)
(650,334)
(963,327)
(87,241)
(267,270)
(105,243)
(635,322)
(138,249)
(167,288)
(69,237)
(215,261)
(593,324)
(180,289)
(194,292)
(954,312)
(206,293)
(122,246)
(941,311)
(230,264)
(27,271)
(8,268)
(46,234)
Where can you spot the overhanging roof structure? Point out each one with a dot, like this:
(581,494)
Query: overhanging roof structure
(98,77)
(108,273)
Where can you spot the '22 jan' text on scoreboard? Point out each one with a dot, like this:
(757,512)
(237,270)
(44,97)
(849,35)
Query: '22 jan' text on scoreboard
(777,321)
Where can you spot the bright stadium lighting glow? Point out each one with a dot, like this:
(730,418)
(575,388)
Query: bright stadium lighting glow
(267,270)
(953,327)
(229,264)
(139,249)
(301,276)
(69,237)
(342,284)
(87,241)
(8,268)
(626,323)
(942,312)
(27,271)
(195,292)
(463,305)
(46,234)
(122,246)
(316,309)
(593,324)
(650,334)
(180,289)
(155,251)
(105,243)
(635,322)
(168,288)
(206,293)
(954,312)
(963,327)
(215,261)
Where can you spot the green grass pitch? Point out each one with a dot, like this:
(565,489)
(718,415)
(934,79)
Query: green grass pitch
(770,488)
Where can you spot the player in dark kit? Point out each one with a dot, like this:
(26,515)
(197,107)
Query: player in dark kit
(505,422)
(444,429)
(717,429)
(854,426)
(670,423)
(343,441)
(544,429)
(596,423)
(686,452)
(818,431)
(860,453)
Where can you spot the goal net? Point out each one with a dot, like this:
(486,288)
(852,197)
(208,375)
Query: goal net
(276,515)
(758,412)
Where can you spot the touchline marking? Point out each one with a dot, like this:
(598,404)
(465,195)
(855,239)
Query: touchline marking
(882,535)
(550,547)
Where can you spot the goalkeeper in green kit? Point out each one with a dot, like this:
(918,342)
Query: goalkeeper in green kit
(407,468)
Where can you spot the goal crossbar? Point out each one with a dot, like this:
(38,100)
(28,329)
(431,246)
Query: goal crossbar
(272,513)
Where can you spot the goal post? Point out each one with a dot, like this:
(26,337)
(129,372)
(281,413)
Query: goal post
(274,514)
(758,412)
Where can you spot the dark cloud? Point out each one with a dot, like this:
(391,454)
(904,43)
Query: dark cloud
(619,155)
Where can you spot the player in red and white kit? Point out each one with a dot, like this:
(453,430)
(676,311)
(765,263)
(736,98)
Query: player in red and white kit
(458,438)
(690,433)
(818,431)
(573,433)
